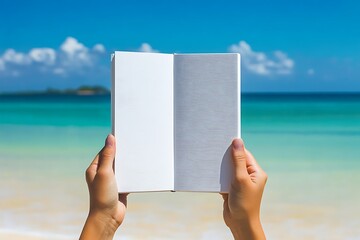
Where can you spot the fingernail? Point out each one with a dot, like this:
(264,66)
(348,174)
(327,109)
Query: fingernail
(237,144)
(109,141)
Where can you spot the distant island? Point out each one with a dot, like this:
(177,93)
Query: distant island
(82,90)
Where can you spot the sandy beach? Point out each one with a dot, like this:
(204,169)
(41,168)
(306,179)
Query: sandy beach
(285,214)
(312,161)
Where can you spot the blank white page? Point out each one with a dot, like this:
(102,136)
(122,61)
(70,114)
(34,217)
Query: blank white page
(142,119)
(207,118)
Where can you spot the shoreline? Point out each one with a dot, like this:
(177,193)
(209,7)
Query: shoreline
(105,91)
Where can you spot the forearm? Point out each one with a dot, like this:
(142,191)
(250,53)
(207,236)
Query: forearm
(98,227)
(248,230)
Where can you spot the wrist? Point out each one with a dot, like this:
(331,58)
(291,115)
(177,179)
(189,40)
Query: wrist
(99,226)
(106,222)
(248,228)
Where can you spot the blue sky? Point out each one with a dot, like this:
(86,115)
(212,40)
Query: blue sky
(286,46)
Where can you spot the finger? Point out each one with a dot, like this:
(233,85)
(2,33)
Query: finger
(123,198)
(253,166)
(239,159)
(107,154)
(92,169)
(251,161)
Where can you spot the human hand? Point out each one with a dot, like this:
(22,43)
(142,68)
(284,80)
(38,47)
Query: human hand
(107,207)
(242,203)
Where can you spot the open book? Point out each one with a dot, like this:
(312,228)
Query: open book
(174,117)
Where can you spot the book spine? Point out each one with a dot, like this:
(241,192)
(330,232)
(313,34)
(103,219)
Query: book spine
(113,93)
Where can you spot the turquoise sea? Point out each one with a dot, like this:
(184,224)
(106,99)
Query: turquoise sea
(307,143)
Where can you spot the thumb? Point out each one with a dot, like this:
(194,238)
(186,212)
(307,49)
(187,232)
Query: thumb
(239,159)
(107,154)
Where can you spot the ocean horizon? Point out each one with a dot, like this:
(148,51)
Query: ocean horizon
(307,143)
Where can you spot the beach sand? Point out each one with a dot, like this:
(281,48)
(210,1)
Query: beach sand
(286,214)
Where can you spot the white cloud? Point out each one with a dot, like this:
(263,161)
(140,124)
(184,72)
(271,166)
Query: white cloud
(43,55)
(75,54)
(71,57)
(11,56)
(72,46)
(99,48)
(261,64)
(145,47)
